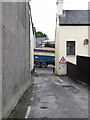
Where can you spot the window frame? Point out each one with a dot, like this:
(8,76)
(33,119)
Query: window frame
(74,49)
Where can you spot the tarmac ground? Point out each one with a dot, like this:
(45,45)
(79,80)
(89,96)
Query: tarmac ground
(52,97)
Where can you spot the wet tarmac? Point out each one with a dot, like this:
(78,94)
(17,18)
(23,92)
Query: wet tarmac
(52,97)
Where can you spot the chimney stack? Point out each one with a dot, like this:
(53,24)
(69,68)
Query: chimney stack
(59,7)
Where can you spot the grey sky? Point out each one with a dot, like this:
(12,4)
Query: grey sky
(44,13)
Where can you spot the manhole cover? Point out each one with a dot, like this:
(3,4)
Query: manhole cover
(43,107)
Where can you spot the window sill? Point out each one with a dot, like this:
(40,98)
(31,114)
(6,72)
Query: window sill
(70,55)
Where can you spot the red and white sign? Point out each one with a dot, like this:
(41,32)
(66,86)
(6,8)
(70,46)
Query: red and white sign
(62,61)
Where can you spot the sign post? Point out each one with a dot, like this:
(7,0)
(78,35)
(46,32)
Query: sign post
(63,63)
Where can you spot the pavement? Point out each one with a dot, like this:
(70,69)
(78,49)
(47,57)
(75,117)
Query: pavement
(52,97)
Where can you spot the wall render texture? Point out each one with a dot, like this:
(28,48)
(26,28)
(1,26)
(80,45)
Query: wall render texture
(15,53)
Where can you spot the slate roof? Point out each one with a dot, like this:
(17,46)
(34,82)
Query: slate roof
(75,17)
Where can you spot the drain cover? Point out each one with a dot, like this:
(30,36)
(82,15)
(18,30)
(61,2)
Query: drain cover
(43,107)
(36,75)
(71,88)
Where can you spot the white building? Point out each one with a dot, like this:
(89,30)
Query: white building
(32,40)
(71,37)
(40,42)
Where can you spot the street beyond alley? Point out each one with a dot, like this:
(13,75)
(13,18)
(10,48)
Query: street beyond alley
(53,97)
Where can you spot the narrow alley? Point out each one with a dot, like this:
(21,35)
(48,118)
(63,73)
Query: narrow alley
(43,44)
(52,97)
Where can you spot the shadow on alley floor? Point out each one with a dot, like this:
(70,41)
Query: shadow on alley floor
(52,97)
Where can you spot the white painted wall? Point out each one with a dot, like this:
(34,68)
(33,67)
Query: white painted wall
(82,33)
(70,33)
(60,6)
(31,47)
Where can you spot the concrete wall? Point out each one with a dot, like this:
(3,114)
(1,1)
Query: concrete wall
(15,54)
(34,37)
(0,60)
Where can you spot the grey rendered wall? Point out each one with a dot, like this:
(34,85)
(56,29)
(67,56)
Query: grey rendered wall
(15,53)
(0,60)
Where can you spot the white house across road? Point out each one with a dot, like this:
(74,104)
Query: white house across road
(71,39)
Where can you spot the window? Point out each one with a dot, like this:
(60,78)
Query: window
(70,48)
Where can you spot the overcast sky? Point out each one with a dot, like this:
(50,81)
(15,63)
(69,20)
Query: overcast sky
(44,13)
